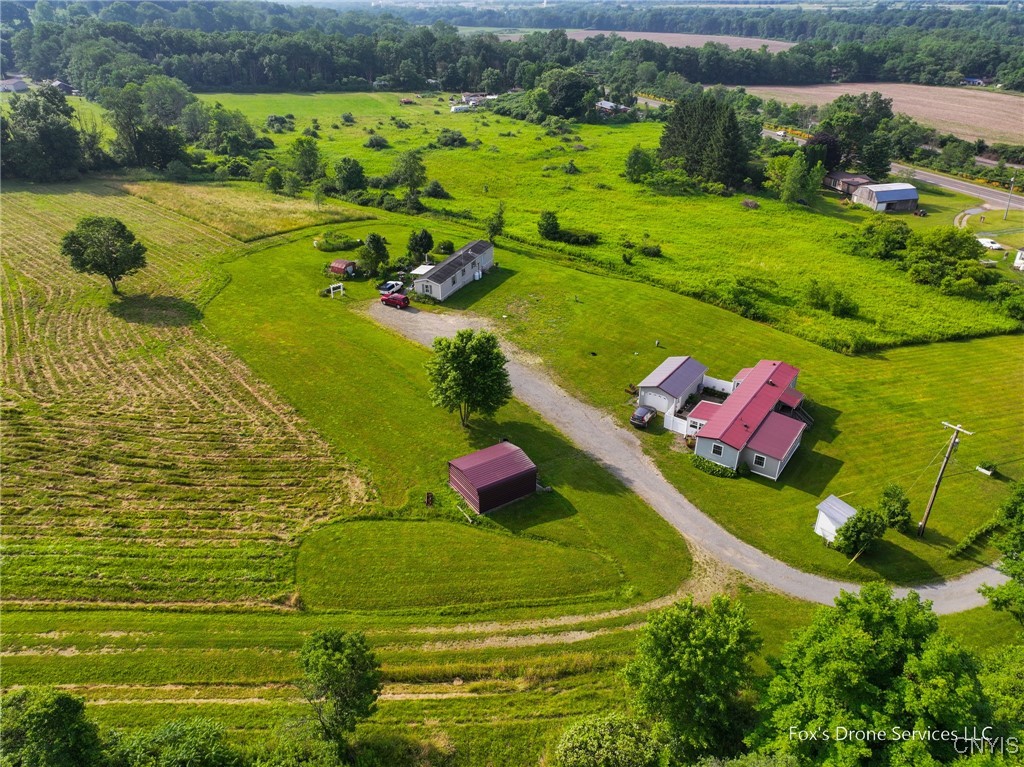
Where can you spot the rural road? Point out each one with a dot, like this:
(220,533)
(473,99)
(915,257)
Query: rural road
(990,196)
(618,450)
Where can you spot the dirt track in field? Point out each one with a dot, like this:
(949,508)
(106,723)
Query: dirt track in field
(676,39)
(969,113)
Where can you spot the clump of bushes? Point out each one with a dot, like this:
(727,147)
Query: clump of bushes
(280,123)
(376,141)
(571,169)
(549,229)
(450,139)
(828,297)
(752,204)
(712,468)
(347,118)
(333,240)
(435,191)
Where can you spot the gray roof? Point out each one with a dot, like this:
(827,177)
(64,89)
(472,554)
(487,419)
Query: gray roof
(675,375)
(13,85)
(457,260)
(836,511)
(893,192)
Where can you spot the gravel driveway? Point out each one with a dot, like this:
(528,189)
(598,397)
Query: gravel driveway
(618,450)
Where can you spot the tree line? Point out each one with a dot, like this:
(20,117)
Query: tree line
(261,47)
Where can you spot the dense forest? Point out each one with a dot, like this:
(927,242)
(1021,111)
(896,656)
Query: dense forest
(261,46)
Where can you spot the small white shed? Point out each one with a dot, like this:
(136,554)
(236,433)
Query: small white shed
(832,514)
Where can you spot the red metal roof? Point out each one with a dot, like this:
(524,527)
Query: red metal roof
(735,422)
(791,398)
(494,464)
(776,435)
(742,374)
(704,411)
(339,265)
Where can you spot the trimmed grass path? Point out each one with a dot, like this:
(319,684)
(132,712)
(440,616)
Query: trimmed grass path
(618,451)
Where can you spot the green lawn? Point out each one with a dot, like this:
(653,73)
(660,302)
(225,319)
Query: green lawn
(364,389)
(708,242)
(385,565)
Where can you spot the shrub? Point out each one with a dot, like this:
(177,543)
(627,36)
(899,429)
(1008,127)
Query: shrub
(752,204)
(830,298)
(894,505)
(333,240)
(571,169)
(451,139)
(176,171)
(436,191)
(347,118)
(712,468)
(860,532)
(376,142)
(446,247)
(627,258)
(548,227)
(651,251)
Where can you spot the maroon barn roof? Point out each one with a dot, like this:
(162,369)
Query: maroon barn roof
(704,410)
(776,435)
(747,408)
(340,265)
(494,465)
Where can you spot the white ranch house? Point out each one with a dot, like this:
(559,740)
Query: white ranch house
(756,419)
(458,270)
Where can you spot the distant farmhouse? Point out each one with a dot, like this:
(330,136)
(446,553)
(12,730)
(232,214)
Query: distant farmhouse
(458,270)
(756,419)
(886,197)
(64,88)
(609,107)
(846,183)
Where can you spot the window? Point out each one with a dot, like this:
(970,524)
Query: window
(716,450)
(463,271)
(759,461)
(454,278)
(427,288)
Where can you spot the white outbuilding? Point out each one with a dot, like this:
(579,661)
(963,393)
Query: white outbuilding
(832,514)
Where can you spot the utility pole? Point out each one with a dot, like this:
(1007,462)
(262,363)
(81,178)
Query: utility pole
(1009,197)
(942,469)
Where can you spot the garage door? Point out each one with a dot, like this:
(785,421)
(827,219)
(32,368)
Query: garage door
(656,400)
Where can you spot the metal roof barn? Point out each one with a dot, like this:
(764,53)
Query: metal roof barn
(493,477)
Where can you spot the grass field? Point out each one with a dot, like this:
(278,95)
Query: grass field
(709,242)
(143,462)
(970,113)
(234,203)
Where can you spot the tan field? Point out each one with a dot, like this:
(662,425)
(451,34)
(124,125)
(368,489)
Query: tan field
(676,40)
(967,112)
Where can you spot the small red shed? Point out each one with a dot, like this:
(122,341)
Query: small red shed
(493,477)
(341,266)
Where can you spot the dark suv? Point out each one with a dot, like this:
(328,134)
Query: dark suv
(642,416)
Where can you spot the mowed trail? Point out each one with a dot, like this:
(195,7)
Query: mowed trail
(618,450)
(967,112)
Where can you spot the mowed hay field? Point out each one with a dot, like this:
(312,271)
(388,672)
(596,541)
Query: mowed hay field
(142,461)
(970,113)
(710,244)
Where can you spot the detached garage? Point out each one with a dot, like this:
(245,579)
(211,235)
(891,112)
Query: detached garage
(493,477)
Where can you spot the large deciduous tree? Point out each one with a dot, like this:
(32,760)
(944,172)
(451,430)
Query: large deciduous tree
(373,255)
(47,728)
(104,245)
(860,532)
(38,140)
(420,244)
(409,170)
(1010,595)
(341,680)
(692,661)
(304,155)
(871,663)
(349,175)
(467,374)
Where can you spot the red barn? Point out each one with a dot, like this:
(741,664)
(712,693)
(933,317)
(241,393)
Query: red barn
(341,266)
(493,477)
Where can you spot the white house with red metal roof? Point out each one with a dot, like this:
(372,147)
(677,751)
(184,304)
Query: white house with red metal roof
(749,427)
(756,419)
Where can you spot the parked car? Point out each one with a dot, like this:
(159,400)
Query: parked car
(990,244)
(396,300)
(780,133)
(642,416)
(391,286)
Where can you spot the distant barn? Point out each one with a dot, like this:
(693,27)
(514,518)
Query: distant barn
(493,477)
